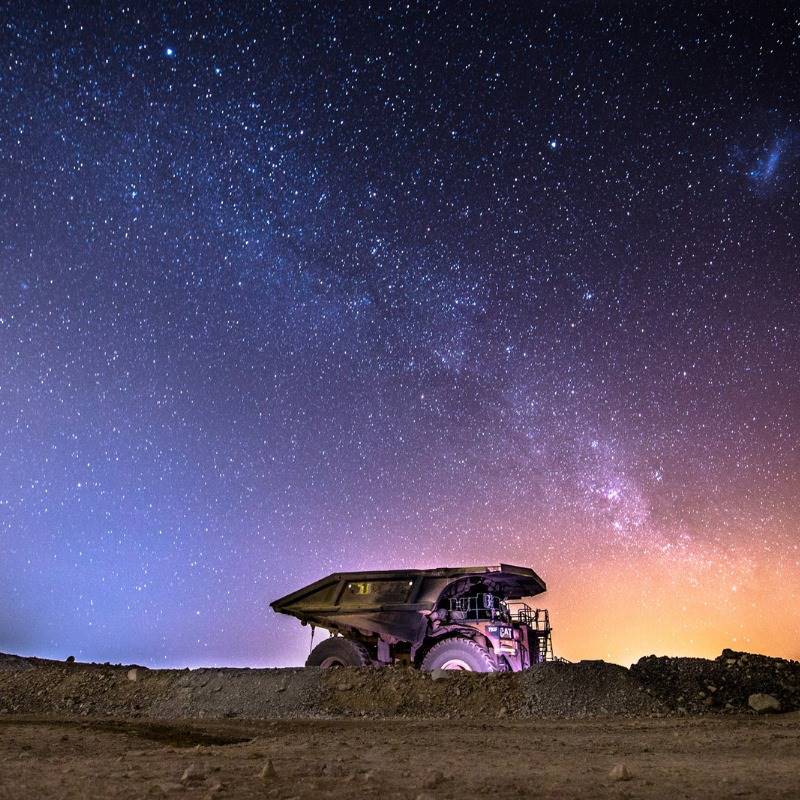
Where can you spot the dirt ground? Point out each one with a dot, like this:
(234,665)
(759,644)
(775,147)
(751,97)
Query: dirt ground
(709,757)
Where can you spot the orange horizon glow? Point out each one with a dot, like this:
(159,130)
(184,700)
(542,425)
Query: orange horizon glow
(676,604)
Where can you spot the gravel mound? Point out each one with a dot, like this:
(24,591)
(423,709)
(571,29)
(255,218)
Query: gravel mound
(734,682)
(555,689)
(52,687)
(725,683)
(250,693)
(588,688)
(14,663)
(411,693)
(550,690)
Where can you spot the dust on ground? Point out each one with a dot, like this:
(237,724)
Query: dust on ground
(677,757)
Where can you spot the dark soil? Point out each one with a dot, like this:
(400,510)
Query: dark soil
(710,756)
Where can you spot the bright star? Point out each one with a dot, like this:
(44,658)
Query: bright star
(169,52)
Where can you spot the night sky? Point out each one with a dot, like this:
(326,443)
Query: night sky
(330,286)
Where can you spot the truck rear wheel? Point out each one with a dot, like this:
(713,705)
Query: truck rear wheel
(338,652)
(458,654)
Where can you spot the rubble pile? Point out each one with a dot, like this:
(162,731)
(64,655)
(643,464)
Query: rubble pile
(588,688)
(52,687)
(9,663)
(732,682)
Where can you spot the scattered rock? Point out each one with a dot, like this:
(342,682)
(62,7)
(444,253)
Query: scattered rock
(433,780)
(193,775)
(763,703)
(620,772)
(268,772)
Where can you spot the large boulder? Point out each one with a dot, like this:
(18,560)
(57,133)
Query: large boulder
(763,703)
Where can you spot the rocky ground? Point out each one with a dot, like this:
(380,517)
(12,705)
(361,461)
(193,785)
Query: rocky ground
(709,756)
(667,727)
(732,683)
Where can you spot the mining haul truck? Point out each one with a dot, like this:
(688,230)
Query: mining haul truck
(460,618)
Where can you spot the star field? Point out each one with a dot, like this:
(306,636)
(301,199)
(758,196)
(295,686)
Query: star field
(321,287)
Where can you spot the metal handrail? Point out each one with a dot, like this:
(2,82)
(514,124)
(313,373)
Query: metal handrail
(481,607)
(536,618)
(489,606)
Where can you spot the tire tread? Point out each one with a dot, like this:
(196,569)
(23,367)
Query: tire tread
(459,643)
(339,646)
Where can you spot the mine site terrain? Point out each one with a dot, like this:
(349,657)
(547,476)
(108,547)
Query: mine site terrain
(395,758)
(667,727)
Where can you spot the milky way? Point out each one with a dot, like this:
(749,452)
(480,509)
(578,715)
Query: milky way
(322,287)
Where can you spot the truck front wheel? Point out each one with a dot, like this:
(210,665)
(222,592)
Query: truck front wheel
(338,652)
(458,654)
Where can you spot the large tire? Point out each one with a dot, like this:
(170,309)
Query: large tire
(338,652)
(458,654)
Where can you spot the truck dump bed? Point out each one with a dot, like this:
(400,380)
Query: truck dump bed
(394,604)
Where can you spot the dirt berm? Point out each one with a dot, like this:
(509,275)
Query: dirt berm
(653,686)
